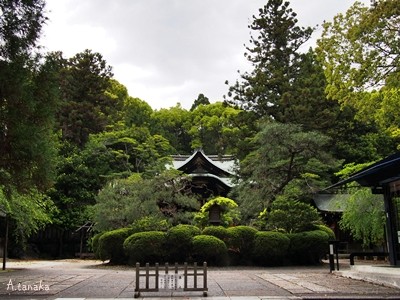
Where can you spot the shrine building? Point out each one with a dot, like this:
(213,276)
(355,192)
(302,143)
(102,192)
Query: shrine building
(212,175)
(383,177)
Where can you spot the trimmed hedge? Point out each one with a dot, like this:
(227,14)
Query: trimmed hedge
(218,231)
(329,231)
(240,243)
(179,242)
(150,223)
(308,247)
(210,249)
(270,248)
(94,244)
(145,247)
(110,245)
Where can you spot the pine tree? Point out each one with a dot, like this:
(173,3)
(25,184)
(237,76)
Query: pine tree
(274,54)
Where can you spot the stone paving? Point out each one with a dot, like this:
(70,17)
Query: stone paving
(88,279)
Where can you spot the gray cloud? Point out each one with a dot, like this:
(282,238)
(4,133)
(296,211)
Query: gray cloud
(168,51)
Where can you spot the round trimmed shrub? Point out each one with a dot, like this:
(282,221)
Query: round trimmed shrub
(240,243)
(94,244)
(150,223)
(331,234)
(179,242)
(110,245)
(210,249)
(308,247)
(218,231)
(145,247)
(270,248)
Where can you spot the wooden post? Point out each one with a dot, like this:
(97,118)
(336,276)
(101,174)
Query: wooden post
(147,275)
(391,232)
(205,275)
(195,275)
(157,275)
(5,246)
(81,245)
(185,276)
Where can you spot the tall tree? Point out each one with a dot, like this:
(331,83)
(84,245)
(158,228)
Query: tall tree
(85,103)
(216,128)
(137,112)
(81,173)
(361,57)
(305,101)
(28,98)
(274,55)
(284,153)
(173,124)
(201,100)
(360,49)
(21,22)
(28,101)
(122,202)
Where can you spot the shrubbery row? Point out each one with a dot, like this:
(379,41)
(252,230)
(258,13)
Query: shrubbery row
(239,245)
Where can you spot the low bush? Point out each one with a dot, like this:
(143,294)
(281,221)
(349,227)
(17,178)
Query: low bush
(270,248)
(150,223)
(240,243)
(217,231)
(290,215)
(329,231)
(179,242)
(308,247)
(110,245)
(210,249)
(145,247)
(94,244)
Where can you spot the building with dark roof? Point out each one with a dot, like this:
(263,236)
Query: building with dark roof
(383,177)
(212,175)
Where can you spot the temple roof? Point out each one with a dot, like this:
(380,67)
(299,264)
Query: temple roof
(331,202)
(216,163)
(201,165)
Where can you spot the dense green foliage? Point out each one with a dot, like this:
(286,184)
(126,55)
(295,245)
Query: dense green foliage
(360,57)
(150,223)
(28,102)
(308,247)
(364,217)
(29,212)
(220,232)
(327,230)
(146,247)
(289,216)
(241,242)
(110,245)
(94,244)
(210,249)
(270,248)
(124,201)
(179,241)
(287,153)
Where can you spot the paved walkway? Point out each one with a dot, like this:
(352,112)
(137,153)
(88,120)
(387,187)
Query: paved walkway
(88,279)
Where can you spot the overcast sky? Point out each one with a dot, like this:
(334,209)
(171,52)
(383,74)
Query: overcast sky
(169,51)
